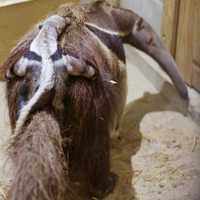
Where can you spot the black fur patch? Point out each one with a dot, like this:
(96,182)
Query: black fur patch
(113,42)
(30,55)
(57,55)
(21,99)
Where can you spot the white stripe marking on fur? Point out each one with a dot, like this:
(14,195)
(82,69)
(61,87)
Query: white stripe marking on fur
(108,52)
(45,45)
(116,33)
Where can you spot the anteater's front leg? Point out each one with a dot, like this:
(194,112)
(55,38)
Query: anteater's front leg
(90,160)
(89,117)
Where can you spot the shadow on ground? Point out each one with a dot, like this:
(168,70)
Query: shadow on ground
(123,148)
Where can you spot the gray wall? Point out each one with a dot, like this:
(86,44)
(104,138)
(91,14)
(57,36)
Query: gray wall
(151,10)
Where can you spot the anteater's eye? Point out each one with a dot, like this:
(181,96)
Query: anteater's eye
(40,26)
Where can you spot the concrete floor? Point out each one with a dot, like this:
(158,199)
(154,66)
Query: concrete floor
(158,154)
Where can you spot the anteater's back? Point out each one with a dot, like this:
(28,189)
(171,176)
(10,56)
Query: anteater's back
(92,109)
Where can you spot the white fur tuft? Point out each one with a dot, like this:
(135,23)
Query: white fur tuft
(117,33)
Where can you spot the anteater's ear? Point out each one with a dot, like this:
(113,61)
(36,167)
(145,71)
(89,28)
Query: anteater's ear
(144,38)
(19,50)
(78,67)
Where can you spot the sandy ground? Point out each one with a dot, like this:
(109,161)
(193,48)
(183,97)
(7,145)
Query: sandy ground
(158,154)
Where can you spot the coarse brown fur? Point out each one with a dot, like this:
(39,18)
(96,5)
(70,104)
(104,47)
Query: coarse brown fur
(86,110)
(40,165)
(78,115)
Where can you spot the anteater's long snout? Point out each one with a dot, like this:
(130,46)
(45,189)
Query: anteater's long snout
(144,38)
(166,61)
